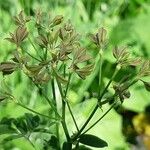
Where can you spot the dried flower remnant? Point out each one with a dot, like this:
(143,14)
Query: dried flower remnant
(42,41)
(99,38)
(18,36)
(121,92)
(8,67)
(144,69)
(123,57)
(80,56)
(38,17)
(57,20)
(21,20)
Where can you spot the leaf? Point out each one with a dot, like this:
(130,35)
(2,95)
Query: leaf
(53,142)
(21,125)
(83,148)
(92,140)
(3,98)
(32,121)
(147,85)
(12,137)
(67,146)
(6,129)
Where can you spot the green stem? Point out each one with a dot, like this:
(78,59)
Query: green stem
(29,54)
(32,56)
(35,112)
(67,86)
(34,47)
(96,107)
(54,98)
(112,106)
(108,84)
(51,104)
(45,54)
(100,72)
(73,118)
(63,111)
(49,101)
(69,108)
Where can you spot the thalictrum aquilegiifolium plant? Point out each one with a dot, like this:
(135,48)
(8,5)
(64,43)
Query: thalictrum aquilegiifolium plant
(59,54)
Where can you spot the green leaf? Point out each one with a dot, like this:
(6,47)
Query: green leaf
(92,140)
(67,146)
(83,148)
(21,125)
(147,85)
(12,137)
(3,98)
(53,142)
(32,121)
(6,129)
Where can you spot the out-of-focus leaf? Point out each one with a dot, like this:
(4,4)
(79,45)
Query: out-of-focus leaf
(6,129)
(21,125)
(2,98)
(92,140)
(32,121)
(53,143)
(66,146)
(83,148)
(147,85)
(12,137)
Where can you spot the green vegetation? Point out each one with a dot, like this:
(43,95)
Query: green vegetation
(74,74)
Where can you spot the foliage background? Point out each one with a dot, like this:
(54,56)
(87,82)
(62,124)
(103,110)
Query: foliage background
(127,23)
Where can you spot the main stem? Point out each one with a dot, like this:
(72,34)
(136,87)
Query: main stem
(63,122)
(69,108)
(54,98)
(100,71)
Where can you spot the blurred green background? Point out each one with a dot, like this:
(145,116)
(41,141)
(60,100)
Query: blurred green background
(127,23)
